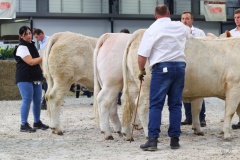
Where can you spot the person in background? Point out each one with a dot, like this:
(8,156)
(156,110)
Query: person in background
(163,44)
(236,33)
(120,93)
(29,80)
(42,38)
(187,19)
(124,30)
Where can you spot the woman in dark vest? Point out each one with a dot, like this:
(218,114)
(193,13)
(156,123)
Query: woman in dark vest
(29,80)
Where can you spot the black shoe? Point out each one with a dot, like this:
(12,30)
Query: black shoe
(174,143)
(150,145)
(43,106)
(72,88)
(187,122)
(40,125)
(87,93)
(119,102)
(203,123)
(236,126)
(27,128)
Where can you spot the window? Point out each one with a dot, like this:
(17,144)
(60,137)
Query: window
(25,6)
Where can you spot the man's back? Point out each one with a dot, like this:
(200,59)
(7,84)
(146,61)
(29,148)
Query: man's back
(166,39)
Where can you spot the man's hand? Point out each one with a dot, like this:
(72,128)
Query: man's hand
(141,74)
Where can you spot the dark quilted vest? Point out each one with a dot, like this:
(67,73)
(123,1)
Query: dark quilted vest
(25,72)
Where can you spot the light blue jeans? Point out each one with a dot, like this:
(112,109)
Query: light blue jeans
(30,92)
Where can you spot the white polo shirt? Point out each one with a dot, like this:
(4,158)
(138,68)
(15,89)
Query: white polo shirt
(235,32)
(197,32)
(164,41)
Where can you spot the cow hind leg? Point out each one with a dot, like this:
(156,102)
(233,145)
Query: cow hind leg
(55,98)
(129,94)
(143,111)
(115,118)
(137,124)
(107,100)
(196,106)
(232,102)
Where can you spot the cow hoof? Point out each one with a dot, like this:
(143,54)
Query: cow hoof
(102,132)
(128,139)
(119,134)
(60,133)
(109,138)
(199,133)
(137,127)
(228,139)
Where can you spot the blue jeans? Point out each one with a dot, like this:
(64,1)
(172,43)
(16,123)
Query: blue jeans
(167,79)
(30,92)
(188,111)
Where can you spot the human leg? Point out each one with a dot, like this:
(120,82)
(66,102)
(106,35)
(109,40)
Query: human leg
(188,114)
(237,126)
(158,89)
(202,115)
(175,99)
(26,91)
(37,89)
(44,87)
(37,94)
(175,104)
(119,98)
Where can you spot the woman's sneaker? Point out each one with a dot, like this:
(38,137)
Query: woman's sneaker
(27,128)
(40,125)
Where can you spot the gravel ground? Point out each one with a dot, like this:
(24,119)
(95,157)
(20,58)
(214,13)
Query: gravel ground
(82,139)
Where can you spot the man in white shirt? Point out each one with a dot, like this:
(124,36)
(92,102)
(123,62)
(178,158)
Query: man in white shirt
(236,33)
(163,45)
(42,38)
(187,19)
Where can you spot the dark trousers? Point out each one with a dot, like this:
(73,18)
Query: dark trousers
(119,98)
(167,79)
(44,87)
(188,111)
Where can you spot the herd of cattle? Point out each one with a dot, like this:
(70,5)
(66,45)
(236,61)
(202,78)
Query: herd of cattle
(109,65)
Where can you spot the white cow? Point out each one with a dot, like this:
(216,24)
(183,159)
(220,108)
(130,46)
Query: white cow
(68,58)
(218,76)
(223,35)
(108,80)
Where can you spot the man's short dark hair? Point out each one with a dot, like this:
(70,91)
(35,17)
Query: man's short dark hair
(124,31)
(161,9)
(237,11)
(37,31)
(187,12)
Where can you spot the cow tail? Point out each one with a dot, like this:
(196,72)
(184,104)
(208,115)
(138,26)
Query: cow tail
(126,103)
(45,66)
(97,86)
